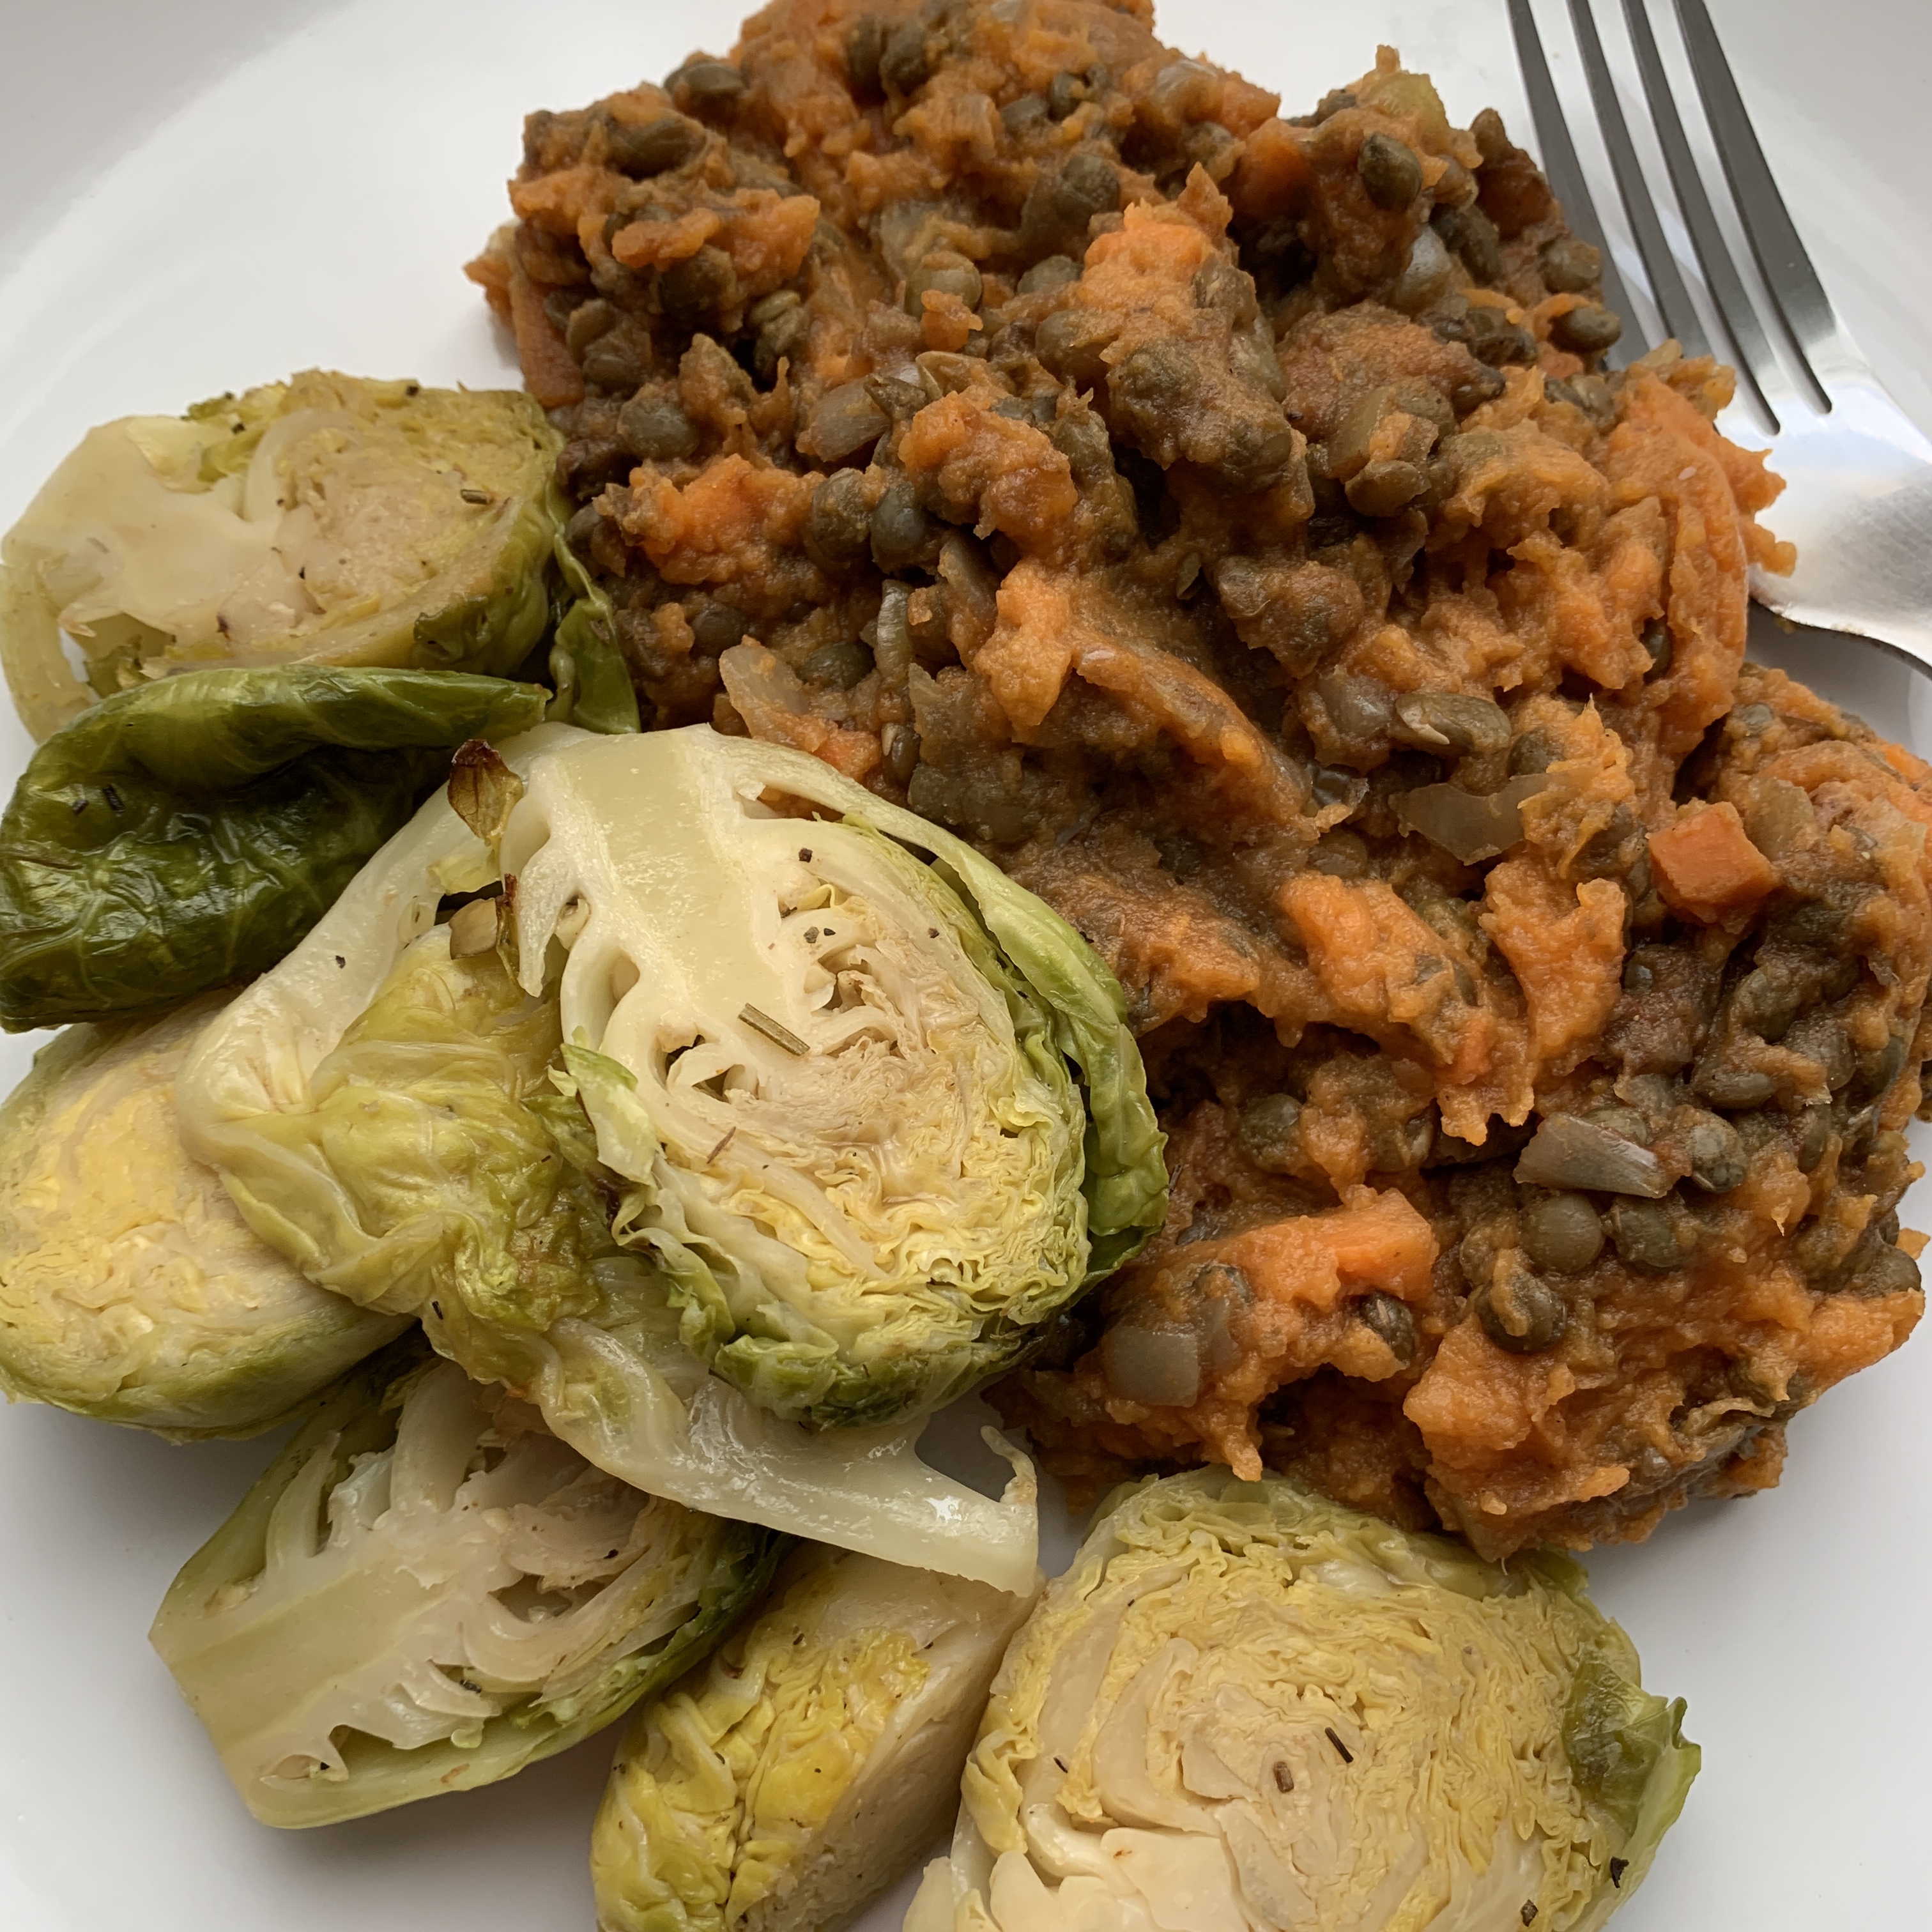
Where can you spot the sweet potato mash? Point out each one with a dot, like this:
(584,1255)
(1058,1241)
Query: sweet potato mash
(1227,521)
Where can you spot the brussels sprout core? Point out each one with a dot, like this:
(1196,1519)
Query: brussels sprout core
(1243,1707)
(428,1596)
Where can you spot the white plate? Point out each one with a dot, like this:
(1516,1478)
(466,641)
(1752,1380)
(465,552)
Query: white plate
(315,206)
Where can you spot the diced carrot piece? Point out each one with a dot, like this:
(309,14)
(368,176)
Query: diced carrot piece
(947,324)
(725,524)
(1369,951)
(491,271)
(1380,1238)
(1705,865)
(1565,945)
(1372,1241)
(991,470)
(1029,657)
(1244,106)
(766,236)
(555,203)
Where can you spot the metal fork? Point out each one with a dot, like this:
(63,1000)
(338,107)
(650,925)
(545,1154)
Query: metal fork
(1859,503)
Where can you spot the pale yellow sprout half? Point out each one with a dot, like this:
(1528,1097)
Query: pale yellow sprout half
(131,1289)
(803,1769)
(877,1108)
(1244,1708)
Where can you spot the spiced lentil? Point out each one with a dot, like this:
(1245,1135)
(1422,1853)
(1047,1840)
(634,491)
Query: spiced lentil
(1533,992)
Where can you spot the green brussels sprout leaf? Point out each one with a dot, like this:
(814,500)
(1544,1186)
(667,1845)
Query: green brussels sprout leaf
(183,835)
(593,686)
(1628,1751)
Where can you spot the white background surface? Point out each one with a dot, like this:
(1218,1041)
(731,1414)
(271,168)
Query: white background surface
(204,193)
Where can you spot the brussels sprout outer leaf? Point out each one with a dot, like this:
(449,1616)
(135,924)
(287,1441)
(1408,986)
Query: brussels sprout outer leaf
(1627,1750)
(593,686)
(417,1179)
(186,834)
(357,1418)
(213,731)
(265,1046)
(628,1396)
(1614,1735)
(204,1332)
(487,635)
(1126,1177)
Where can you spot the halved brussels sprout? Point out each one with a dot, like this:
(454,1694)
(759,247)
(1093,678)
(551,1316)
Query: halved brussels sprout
(385,1109)
(183,835)
(130,1290)
(327,519)
(427,1592)
(801,1771)
(879,1113)
(1244,1707)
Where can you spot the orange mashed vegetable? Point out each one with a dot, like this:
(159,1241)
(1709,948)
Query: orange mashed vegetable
(1230,522)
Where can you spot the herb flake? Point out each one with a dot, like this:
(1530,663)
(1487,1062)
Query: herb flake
(778,1036)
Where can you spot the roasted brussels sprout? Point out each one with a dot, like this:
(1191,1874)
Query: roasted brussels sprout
(131,1289)
(183,835)
(427,1592)
(326,519)
(1245,1706)
(384,1109)
(800,1770)
(876,1107)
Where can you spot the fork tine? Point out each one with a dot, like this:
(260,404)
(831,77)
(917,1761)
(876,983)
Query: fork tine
(1757,362)
(1565,173)
(1787,269)
(1673,298)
